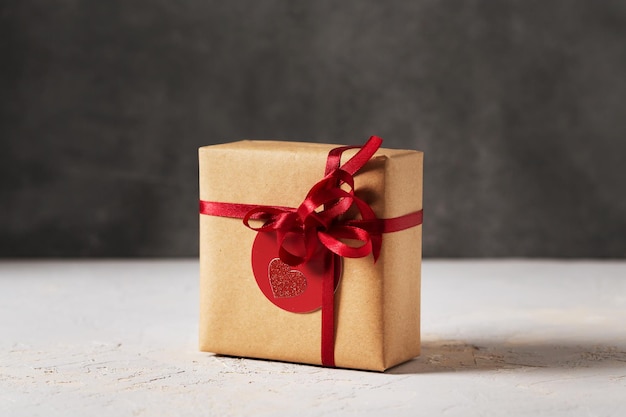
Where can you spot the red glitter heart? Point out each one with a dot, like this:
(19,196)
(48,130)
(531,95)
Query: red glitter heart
(285,282)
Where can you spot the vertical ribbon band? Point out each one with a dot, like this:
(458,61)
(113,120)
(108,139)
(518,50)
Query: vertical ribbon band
(320,222)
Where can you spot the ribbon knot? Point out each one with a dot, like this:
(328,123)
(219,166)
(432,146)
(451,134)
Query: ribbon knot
(319,222)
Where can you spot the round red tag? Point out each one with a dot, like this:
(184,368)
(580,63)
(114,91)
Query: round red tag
(297,289)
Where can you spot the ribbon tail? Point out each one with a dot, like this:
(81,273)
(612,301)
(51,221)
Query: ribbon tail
(331,276)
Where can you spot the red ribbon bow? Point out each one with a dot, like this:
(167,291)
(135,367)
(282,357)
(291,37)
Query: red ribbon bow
(320,220)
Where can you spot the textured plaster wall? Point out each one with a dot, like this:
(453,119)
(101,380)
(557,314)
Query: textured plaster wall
(519,106)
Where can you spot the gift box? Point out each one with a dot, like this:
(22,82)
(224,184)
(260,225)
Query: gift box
(311,252)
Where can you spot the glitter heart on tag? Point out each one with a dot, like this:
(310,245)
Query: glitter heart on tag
(297,289)
(285,282)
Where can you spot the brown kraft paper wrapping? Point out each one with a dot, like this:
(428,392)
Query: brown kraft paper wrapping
(377,305)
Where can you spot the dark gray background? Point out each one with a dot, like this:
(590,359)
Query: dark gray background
(519,106)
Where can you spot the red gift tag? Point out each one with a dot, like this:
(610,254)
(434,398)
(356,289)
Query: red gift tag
(297,289)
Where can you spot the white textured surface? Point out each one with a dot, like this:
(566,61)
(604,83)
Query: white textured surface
(501,338)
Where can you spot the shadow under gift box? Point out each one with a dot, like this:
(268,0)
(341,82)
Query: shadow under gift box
(377,305)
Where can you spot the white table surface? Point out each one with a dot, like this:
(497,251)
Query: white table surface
(500,338)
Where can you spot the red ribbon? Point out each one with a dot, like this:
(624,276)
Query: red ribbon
(319,220)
